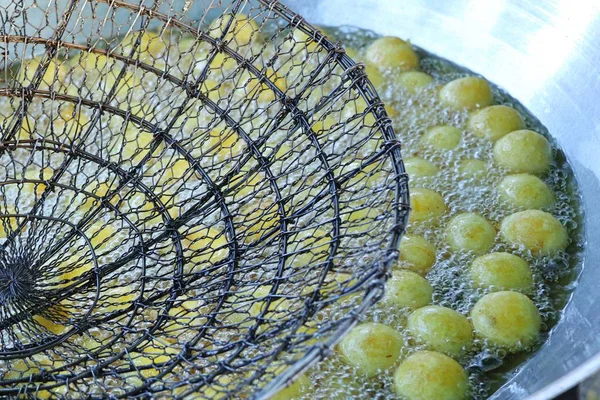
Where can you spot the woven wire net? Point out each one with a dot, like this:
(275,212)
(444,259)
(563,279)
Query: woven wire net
(195,198)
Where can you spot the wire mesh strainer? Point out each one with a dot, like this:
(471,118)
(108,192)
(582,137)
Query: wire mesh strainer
(195,198)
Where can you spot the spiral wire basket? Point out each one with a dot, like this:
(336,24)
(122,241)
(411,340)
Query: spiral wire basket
(197,198)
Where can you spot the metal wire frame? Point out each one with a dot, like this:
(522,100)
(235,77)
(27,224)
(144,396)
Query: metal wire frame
(372,283)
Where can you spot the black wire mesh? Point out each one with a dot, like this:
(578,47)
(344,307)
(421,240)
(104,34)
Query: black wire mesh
(196,197)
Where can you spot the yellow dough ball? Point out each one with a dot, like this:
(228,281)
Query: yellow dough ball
(470,232)
(296,390)
(392,53)
(428,375)
(143,211)
(218,390)
(470,93)
(100,234)
(412,81)
(221,145)
(501,271)
(134,145)
(300,41)
(252,305)
(223,62)
(523,151)
(100,189)
(117,299)
(9,224)
(130,90)
(218,91)
(494,122)
(323,125)
(256,221)
(526,191)
(371,348)
(54,72)
(22,368)
(55,327)
(426,206)
(441,329)
(27,131)
(74,268)
(34,173)
(242,29)
(191,313)
(308,248)
(151,356)
(264,92)
(443,137)
(68,123)
(150,43)
(472,168)
(419,167)
(375,76)
(176,169)
(361,215)
(535,230)
(206,245)
(90,61)
(508,320)
(406,289)
(417,254)
(73,122)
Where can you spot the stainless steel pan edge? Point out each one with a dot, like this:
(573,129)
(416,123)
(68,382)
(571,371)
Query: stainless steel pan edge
(547,55)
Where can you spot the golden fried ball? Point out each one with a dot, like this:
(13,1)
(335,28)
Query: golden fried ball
(371,348)
(54,72)
(494,122)
(428,375)
(206,245)
(441,329)
(507,319)
(426,205)
(471,92)
(150,43)
(296,390)
(535,230)
(470,232)
(99,234)
(417,254)
(523,151)
(254,304)
(374,76)
(152,355)
(406,289)
(526,191)
(443,137)
(242,30)
(56,328)
(392,53)
(412,81)
(501,271)
(300,41)
(417,167)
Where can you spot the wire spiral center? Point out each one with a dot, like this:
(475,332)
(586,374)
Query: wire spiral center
(17,278)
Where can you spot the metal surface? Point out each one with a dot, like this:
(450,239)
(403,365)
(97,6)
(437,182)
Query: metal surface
(190,225)
(545,53)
